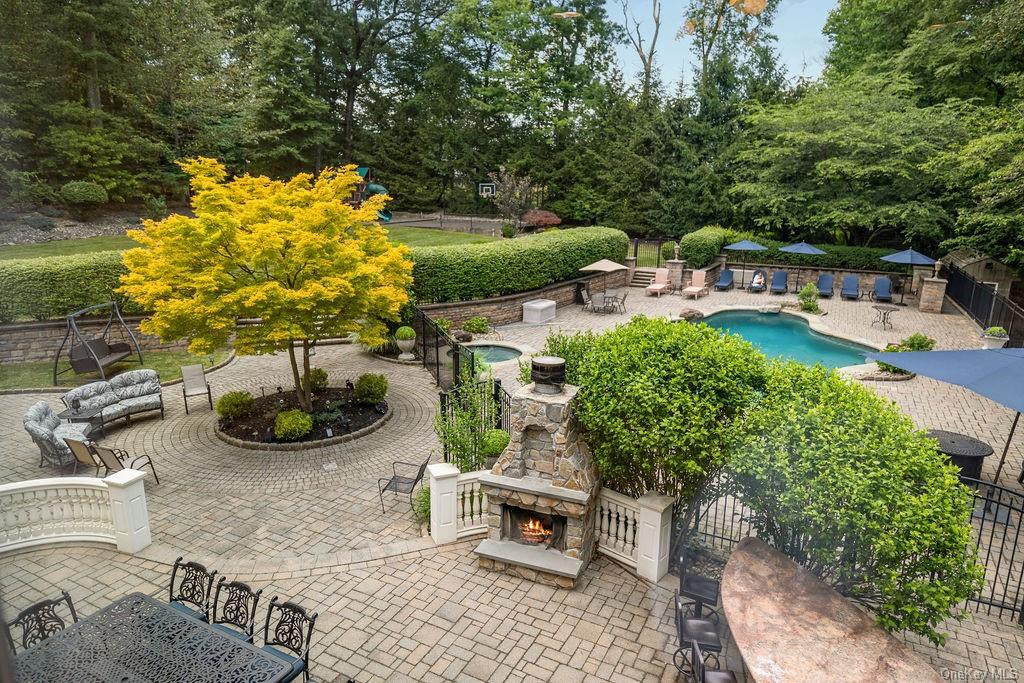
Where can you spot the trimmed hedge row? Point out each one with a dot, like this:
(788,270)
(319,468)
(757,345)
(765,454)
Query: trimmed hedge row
(48,288)
(52,287)
(463,273)
(700,247)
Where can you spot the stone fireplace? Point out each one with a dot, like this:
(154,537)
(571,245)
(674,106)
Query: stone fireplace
(541,491)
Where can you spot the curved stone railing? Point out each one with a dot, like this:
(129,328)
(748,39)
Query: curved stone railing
(75,510)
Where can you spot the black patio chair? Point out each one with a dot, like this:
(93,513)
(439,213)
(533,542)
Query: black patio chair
(238,609)
(40,621)
(698,593)
(293,630)
(689,631)
(400,483)
(114,460)
(702,674)
(193,589)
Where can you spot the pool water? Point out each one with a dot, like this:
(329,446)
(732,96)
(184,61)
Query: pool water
(494,353)
(787,336)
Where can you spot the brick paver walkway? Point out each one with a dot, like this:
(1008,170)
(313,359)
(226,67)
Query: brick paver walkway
(393,606)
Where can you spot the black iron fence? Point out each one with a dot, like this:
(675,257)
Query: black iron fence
(445,359)
(490,407)
(648,252)
(721,521)
(988,308)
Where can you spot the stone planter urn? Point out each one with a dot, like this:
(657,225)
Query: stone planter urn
(993,342)
(406,346)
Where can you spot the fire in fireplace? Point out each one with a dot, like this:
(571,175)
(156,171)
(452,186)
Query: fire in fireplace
(532,528)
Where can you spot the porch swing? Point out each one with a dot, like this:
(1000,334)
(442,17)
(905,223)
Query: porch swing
(96,354)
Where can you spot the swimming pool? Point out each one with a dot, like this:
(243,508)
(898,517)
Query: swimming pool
(787,336)
(494,353)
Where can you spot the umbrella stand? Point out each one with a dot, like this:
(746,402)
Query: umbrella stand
(1006,449)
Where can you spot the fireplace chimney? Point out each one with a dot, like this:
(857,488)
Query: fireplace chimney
(548,374)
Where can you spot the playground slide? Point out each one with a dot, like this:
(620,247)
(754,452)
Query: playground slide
(374,188)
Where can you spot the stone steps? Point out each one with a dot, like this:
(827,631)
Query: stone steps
(642,277)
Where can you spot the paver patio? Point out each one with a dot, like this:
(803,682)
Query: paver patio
(393,605)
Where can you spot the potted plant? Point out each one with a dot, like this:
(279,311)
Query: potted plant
(994,338)
(405,337)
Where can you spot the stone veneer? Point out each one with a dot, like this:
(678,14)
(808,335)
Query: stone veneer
(39,341)
(546,468)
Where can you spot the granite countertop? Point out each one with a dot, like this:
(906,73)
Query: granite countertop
(792,628)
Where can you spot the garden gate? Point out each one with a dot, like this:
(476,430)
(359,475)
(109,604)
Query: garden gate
(442,356)
(982,303)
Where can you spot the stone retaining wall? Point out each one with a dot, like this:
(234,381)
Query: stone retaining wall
(509,308)
(39,341)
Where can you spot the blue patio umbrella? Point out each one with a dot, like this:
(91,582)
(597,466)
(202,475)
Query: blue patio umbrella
(744,246)
(802,248)
(996,374)
(911,258)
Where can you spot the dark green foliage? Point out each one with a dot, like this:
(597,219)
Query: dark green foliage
(569,347)
(508,266)
(915,342)
(477,325)
(493,442)
(290,425)
(461,428)
(658,403)
(840,480)
(700,247)
(156,206)
(421,505)
(37,222)
(405,333)
(235,404)
(371,388)
(46,288)
(317,379)
(82,196)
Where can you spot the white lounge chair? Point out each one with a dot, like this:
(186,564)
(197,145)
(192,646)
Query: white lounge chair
(698,285)
(660,284)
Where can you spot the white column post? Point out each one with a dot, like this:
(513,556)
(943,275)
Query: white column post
(444,482)
(128,508)
(655,535)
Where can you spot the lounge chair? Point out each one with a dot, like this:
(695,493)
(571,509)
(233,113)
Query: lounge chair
(882,290)
(84,456)
(725,281)
(780,282)
(698,285)
(826,283)
(193,383)
(588,303)
(851,287)
(113,460)
(660,284)
(762,285)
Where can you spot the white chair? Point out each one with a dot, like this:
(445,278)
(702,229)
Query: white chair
(660,284)
(193,383)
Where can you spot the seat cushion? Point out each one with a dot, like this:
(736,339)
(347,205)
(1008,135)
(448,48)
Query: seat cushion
(704,632)
(135,383)
(93,395)
(141,403)
(114,411)
(188,611)
(224,628)
(79,431)
(297,665)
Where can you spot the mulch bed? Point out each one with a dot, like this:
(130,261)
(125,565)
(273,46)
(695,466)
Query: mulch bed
(334,409)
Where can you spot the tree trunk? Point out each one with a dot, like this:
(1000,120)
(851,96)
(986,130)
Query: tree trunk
(350,105)
(301,379)
(92,76)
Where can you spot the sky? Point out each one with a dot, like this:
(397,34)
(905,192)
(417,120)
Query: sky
(798,25)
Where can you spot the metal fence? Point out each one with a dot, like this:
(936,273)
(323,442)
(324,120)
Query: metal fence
(721,521)
(445,359)
(982,303)
(648,252)
(493,408)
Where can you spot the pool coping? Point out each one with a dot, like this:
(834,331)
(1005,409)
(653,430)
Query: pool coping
(524,350)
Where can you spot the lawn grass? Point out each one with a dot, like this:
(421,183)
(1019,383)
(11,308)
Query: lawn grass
(40,374)
(414,237)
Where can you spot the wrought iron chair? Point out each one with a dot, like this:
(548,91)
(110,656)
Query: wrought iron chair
(689,631)
(114,460)
(84,456)
(293,629)
(702,674)
(40,621)
(400,483)
(699,593)
(193,589)
(239,608)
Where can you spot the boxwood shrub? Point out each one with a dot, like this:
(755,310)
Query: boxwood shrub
(462,273)
(46,288)
(700,247)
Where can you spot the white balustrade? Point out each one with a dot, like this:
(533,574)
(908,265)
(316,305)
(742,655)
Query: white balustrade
(616,526)
(471,504)
(73,510)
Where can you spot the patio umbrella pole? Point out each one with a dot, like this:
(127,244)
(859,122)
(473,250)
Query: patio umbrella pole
(1006,449)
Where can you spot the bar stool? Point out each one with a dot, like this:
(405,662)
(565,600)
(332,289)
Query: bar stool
(700,591)
(689,631)
(701,674)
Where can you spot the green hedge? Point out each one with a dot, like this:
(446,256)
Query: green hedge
(47,288)
(462,273)
(700,247)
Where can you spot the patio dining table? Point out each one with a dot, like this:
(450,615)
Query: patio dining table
(138,639)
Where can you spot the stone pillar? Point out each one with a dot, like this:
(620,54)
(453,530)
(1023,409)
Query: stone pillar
(654,536)
(675,272)
(128,509)
(919,275)
(933,291)
(630,268)
(443,480)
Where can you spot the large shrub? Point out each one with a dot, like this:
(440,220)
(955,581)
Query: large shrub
(235,404)
(291,425)
(915,342)
(82,194)
(657,403)
(370,388)
(569,347)
(840,480)
(46,288)
(460,273)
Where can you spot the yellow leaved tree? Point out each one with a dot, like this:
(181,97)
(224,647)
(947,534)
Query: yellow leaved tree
(278,264)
